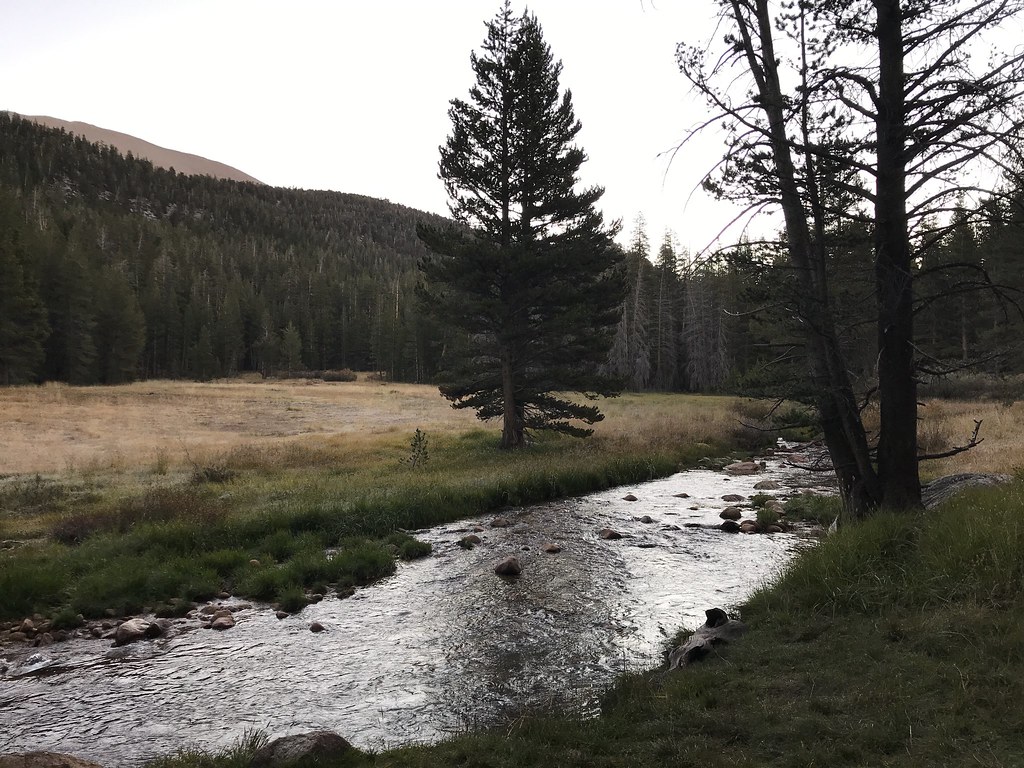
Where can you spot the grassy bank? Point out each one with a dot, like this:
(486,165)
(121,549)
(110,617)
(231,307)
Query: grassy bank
(255,520)
(898,642)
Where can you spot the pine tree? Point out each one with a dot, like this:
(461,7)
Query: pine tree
(291,348)
(529,277)
(120,333)
(666,347)
(23,326)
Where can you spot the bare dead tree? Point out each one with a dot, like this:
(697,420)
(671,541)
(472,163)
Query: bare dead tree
(877,111)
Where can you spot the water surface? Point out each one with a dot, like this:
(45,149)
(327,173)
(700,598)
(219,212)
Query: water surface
(442,645)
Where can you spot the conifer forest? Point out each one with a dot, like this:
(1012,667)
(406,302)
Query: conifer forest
(113,270)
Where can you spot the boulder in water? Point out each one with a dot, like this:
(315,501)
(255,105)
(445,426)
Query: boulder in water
(510,566)
(135,629)
(608,533)
(731,513)
(745,468)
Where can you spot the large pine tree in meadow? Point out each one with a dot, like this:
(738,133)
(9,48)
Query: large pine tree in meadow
(530,275)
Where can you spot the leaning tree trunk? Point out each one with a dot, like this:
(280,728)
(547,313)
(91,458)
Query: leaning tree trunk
(837,405)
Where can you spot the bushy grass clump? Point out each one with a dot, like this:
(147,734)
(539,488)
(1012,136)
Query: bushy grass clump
(971,548)
(812,508)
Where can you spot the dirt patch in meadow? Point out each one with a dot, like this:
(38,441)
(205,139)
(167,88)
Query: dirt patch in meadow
(55,427)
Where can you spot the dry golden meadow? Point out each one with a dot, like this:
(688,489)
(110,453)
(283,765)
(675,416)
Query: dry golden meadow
(58,428)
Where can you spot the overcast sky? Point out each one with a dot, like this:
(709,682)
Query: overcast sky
(352,95)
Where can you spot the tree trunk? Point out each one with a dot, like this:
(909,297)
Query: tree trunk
(836,402)
(897,385)
(512,423)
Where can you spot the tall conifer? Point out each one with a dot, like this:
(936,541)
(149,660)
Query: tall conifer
(529,276)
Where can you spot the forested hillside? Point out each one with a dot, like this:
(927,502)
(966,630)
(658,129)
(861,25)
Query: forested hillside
(111,269)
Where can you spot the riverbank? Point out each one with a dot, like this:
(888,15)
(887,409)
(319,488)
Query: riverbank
(284,521)
(897,642)
(862,672)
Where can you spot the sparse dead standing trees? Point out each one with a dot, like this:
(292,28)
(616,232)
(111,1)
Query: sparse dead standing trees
(899,129)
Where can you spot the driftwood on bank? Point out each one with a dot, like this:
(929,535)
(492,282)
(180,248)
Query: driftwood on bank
(718,628)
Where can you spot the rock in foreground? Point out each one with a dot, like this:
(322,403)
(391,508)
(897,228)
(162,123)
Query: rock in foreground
(718,628)
(510,566)
(45,760)
(317,745)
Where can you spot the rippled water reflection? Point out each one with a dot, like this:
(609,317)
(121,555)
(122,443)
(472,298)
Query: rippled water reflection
(442,645)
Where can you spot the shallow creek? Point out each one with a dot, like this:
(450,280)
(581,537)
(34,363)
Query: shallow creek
(442,645)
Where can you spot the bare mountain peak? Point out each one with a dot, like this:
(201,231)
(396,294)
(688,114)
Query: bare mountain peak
(182,162)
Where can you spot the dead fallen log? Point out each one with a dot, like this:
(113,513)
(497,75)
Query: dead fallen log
(718,628)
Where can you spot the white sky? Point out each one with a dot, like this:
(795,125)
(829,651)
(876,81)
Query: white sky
(352,95)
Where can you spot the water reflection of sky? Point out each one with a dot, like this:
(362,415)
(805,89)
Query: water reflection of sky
(441,646)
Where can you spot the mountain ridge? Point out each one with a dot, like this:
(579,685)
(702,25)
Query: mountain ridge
(161,157)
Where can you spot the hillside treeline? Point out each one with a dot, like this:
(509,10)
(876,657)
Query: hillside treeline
(112,269)
(726,322)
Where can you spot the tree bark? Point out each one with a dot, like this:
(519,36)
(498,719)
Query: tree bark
(840,420)
(897,384)
(512,423)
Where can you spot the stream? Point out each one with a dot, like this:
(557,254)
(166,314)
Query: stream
(441,646)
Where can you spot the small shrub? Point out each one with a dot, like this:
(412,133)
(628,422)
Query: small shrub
(974,386)
(36,494)
(76,528)
(292,599)
(362,563)
(760,499)
(174,609)
(161,463)
(67,618)
(417,450)
(343,375)
(224,561)
(30,583)
(408,548)
(813,508)
(213,474)
(767,516)
(264,582)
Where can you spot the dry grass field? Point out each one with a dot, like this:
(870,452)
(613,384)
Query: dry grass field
(57,428)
